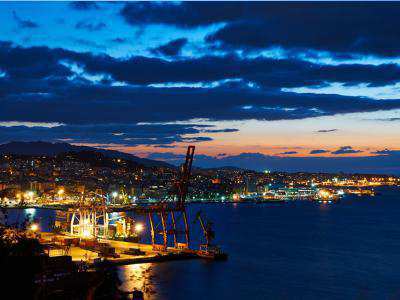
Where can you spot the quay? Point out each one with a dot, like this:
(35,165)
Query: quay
(122,253)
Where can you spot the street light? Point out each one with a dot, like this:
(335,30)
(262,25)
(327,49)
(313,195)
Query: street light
(114,195)
(34,227)
(139,227)
(86,233)
(29,195)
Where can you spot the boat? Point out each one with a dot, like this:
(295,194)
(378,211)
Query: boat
(211,252)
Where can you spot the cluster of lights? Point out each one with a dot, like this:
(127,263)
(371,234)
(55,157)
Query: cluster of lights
(86,233)
(34,227)
(29,194)
(139,227)
(324,194)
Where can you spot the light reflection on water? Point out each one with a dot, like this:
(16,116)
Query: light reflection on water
(138,277)
(30,211)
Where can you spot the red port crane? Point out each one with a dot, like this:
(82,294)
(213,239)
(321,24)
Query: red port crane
(183,182)
(172,217)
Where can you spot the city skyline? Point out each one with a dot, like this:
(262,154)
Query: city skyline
(281,86)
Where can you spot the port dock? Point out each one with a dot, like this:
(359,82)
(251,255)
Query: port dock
(122,253)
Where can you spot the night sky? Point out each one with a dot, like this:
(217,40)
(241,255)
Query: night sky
(280,86)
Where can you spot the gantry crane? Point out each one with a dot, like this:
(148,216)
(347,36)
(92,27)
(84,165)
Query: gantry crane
(170,219)
(208,249)
(183,182)
(91,217)
(208,233)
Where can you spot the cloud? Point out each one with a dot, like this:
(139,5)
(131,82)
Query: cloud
(60,100)
(88,43)
(387,152)
(236,75)
(386,92)
(161,136)
(164,146)
(388,119)
(172,48)
(318,151)
(256,72)
(119,40)
(288,152)
(184,14)
(265,72)
(346,150)
(221,130)
(52,85)
(368,28)
(30,124)
(84,5)
(198,139)
(90,26)
(96,104)
(24,23)
(327,130)
(319,26)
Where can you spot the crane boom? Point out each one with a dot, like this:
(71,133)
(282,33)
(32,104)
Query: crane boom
(183,181)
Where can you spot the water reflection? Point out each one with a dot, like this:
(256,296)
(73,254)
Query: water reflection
(30,211)
(138,277)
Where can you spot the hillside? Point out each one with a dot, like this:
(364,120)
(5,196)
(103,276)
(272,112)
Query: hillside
(52,149)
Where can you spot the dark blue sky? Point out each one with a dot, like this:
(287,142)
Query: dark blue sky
(288,86)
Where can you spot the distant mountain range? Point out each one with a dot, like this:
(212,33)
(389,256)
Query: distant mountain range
(226,168)
(52,149)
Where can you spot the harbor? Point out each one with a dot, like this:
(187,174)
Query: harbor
(288,232)
(116,252)
(91,235)
(84,238)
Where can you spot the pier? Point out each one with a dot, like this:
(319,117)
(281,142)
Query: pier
(122,252)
